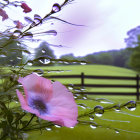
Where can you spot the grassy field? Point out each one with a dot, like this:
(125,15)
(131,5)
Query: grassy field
(126,121)
(101,70)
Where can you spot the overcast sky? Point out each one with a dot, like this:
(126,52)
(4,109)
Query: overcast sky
(106,24)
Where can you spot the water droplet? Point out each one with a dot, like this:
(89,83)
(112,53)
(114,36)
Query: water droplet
(19,57)
(83,106)
(29,64)
(93,126)
(66,62)
(117,132)
(75,97)
(131,105)
(77,90)
(17,33)
(74,62)
(56,8)
(60,61)
(48,129)
(2,55)
(71,127)
(19,85)
(70,88)
(84,97)
(39,72)
(45,61)
(83,63)
(104,101)
(99,110)
(58,126)
(117,108)
(91,117)
(43,51)
(83,89)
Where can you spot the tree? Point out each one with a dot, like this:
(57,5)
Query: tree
(11,54)
(44,51)
(133,41)
(68,57)
(135,59)
(91,58)
(105,58)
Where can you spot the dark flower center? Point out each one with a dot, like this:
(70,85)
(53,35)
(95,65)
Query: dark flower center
(39,105)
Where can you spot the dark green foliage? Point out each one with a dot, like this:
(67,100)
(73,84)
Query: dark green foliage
(118,58)
(135,59)
(10,53)
(44,51)
(133,42)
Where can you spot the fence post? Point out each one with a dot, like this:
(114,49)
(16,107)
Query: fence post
(82,79)
(137,82)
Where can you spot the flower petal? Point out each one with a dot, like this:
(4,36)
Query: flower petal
(24,104)
(35,85)
(3,14)
(26,8)
(62,105)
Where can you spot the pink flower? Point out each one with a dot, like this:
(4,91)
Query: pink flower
(26,8)
(19,25)
(49,101)
(3,14)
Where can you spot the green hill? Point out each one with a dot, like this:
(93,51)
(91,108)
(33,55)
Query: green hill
(89,69)
(127,123)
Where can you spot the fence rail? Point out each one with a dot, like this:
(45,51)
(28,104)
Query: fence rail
(82,76)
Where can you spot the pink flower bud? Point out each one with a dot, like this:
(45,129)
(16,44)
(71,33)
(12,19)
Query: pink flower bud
(26,8)
(3,14)
(19,25)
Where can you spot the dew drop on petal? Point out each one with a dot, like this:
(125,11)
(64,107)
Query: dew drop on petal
(99,110)
(56,8)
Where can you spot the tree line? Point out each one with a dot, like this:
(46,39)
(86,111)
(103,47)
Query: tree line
(128,57)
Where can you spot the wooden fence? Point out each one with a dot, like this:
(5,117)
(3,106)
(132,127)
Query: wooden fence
(82,76)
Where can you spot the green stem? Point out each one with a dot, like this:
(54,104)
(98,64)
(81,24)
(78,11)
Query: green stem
(28,122)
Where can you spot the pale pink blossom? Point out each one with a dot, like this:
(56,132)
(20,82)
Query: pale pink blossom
(26,8)
(3,14)
(49,101)
(19,25)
